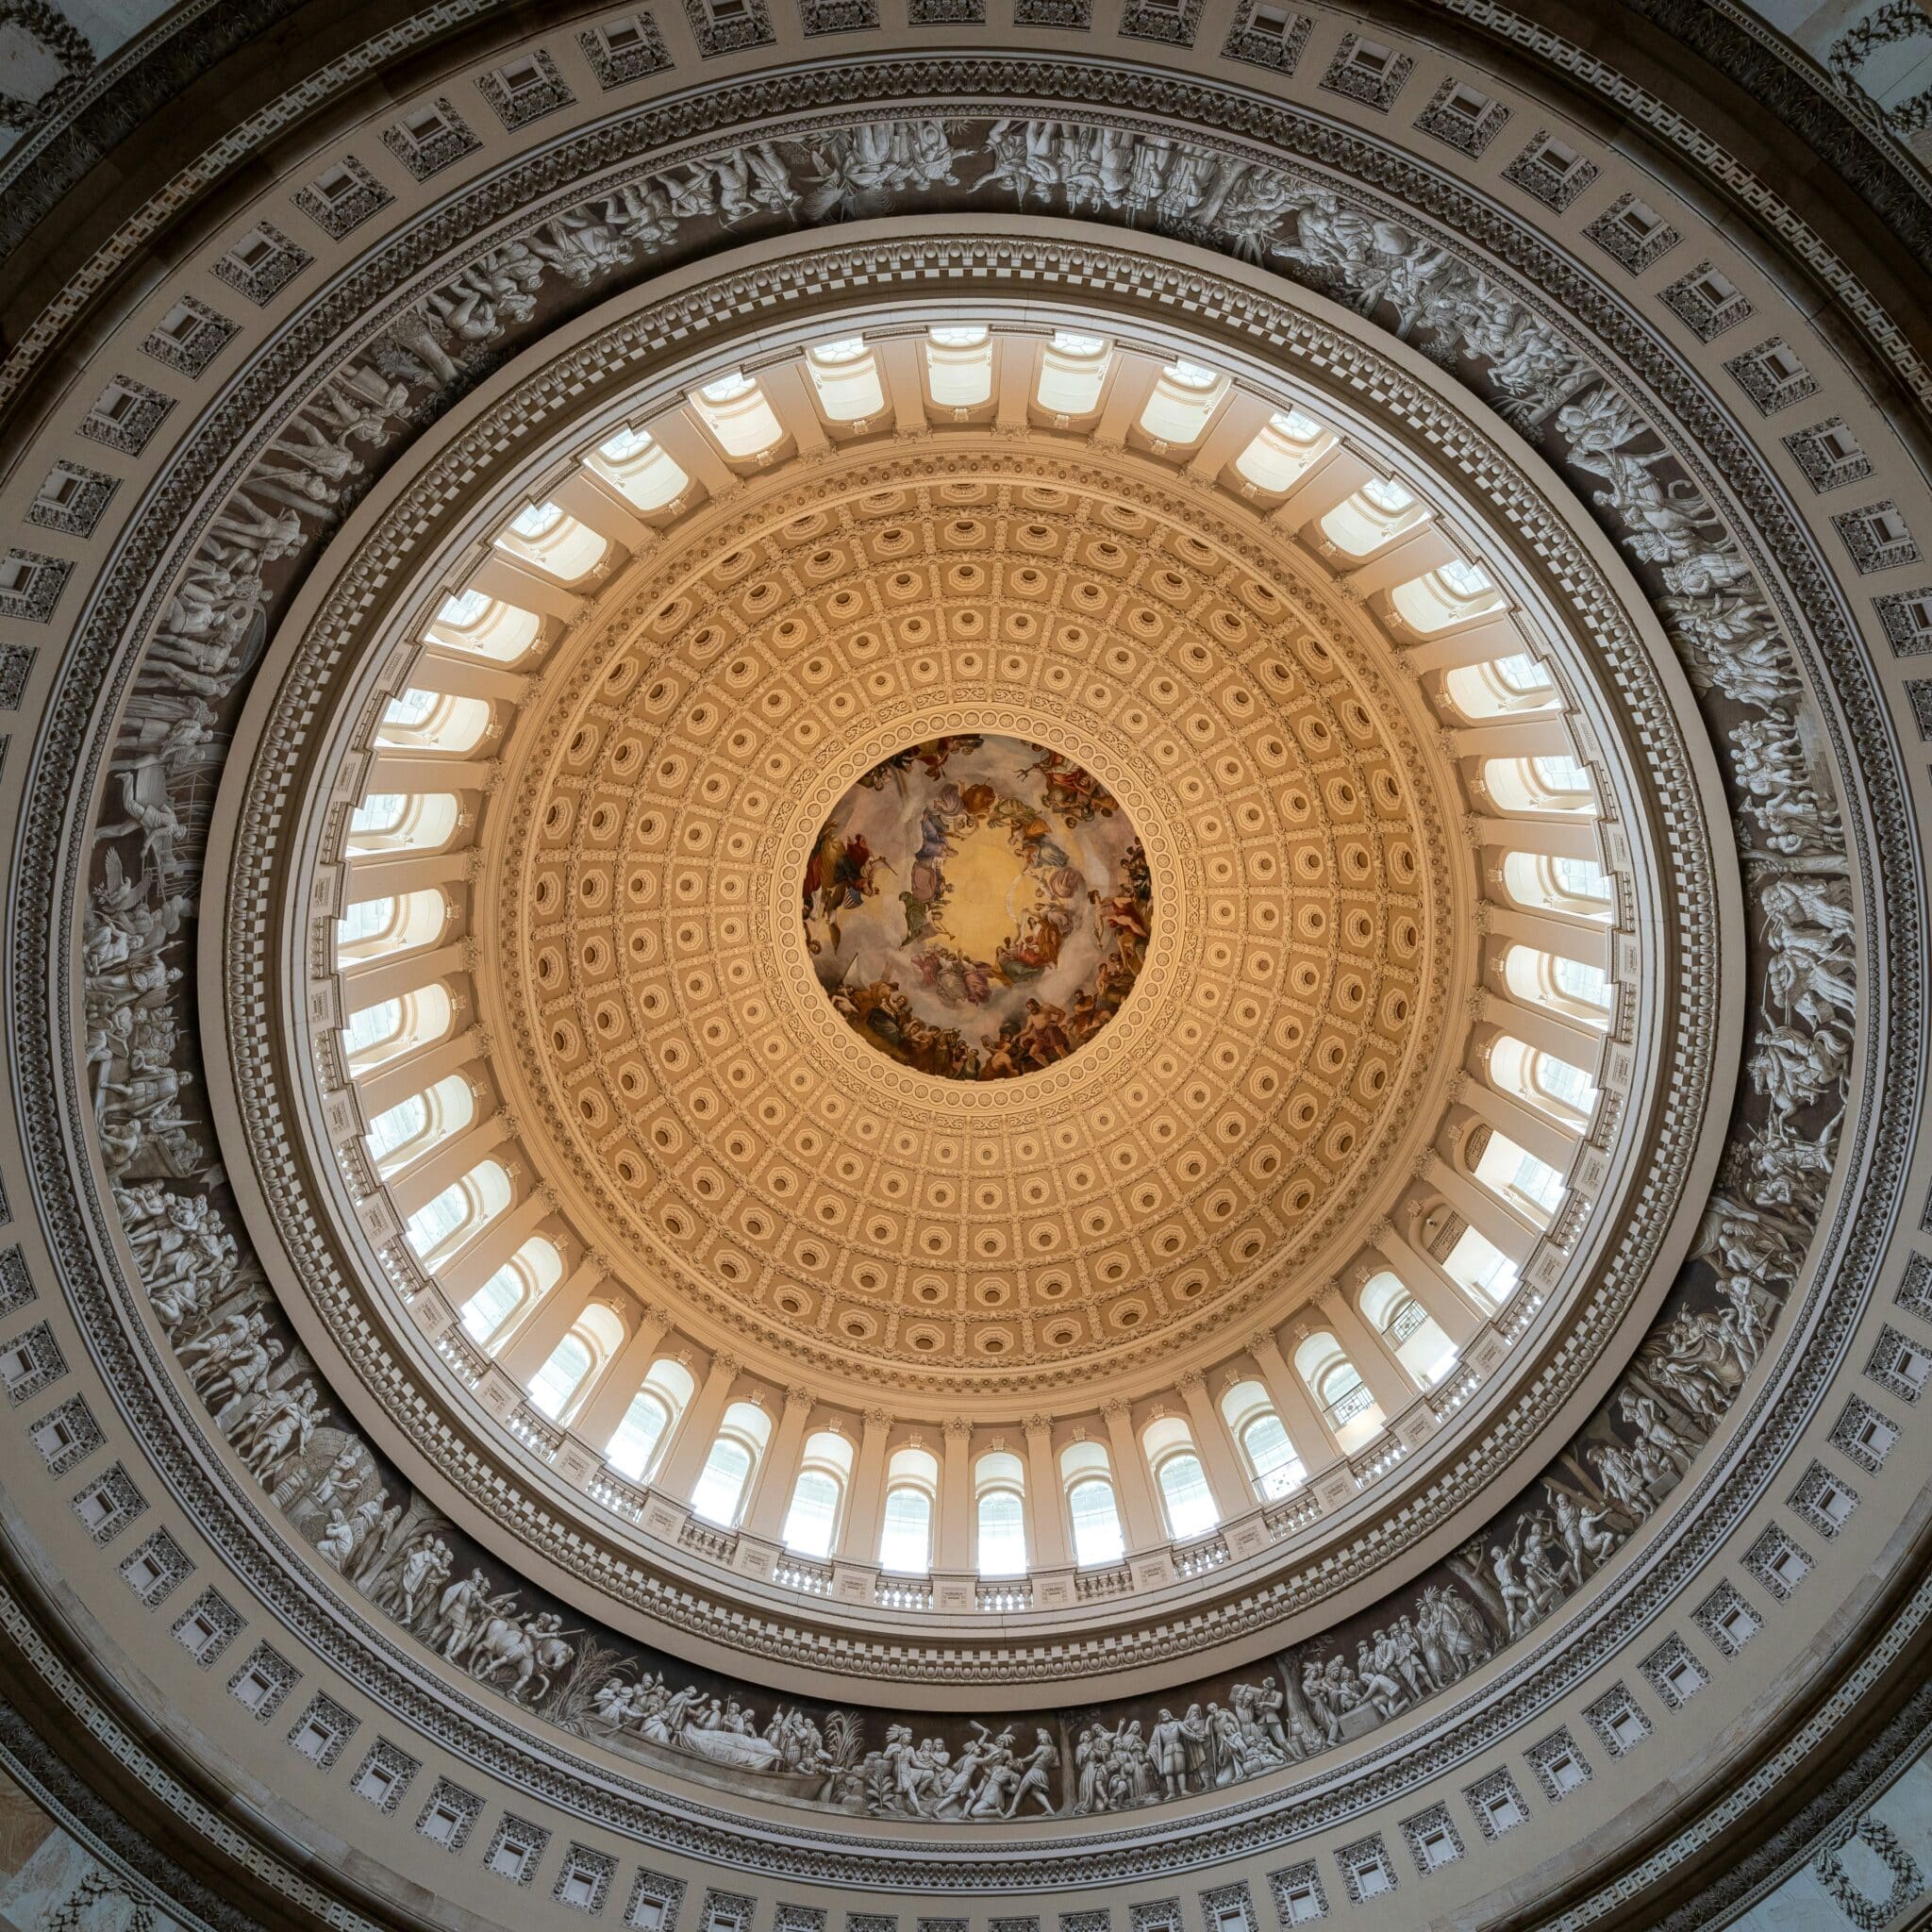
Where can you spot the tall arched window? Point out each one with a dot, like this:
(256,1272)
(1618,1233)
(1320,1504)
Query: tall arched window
(640,468)
(378,1034)
(1272,1465)
(383,928)
(1410,1331)
(1334,1382)
(1476,1263)
(726,1476)
(533,1271)
(457,1215)
(433,721)
(553,1386)
(818,1496)
(482,626)
(397,821)
(409,1129)
(1577,888)
(574,1362)
(912,1483)
(1549,784)
(1513,1173)
(1557,1089)
(1092,1508)
(1186,1499)
(1571,988)
(548,539)
(639,1438)
(999,1502)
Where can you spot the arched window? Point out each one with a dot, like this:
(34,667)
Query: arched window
(1501,687)
(999,1505)
(846,375)
(959,366)
(398,822)
(549,540)
(457,1215)
(576,1361)
(1572,989)
(1557,1088)
(395,1127)
(1452,594)
(1539,785)
(1513,1173)
(371,1029)
(1073,373)
(532,1272)
(1091,1506)
(1272,1465)
(1378,513)
(1283,447)
(735,410)
(641,469)
(377,1035)
(1186,1500)
(553,1386)
(1411,1332)
(1577,887)
(735,1452)
(430,721)
(912,1481)
(818,1495)
(381,928)
(1351,1412)
(639,1438)
(407,1131)
(484,626)
(1184,396)
(1476,1263)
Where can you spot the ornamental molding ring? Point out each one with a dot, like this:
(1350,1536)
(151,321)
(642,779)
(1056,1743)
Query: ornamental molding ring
(918,1103)
(356,596)
(1902,922)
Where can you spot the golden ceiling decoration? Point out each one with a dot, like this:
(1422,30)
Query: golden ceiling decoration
(723,1123)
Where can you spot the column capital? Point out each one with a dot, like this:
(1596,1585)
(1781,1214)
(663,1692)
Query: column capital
(879,1419)
(799,1397)
(956,1427)
(1192,1383)
(1038,1425)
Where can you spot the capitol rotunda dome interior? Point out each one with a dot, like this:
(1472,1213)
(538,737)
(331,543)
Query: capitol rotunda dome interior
(964,966)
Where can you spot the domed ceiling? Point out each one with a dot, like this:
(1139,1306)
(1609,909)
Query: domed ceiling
(973,976)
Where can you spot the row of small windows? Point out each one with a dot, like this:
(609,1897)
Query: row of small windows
(847,381)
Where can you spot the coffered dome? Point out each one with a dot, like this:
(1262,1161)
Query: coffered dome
(984,975)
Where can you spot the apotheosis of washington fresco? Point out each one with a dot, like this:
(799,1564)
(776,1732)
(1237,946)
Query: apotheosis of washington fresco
(977,908)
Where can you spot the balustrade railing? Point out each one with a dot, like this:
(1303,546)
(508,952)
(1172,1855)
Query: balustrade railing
(534,1431)
(1291,1514)
(1006,1597)
(721,1545)
(611,1489)
(464,1358)
(800,1574)
(1197,1558)
(1093,1585)
(1377,1460)
(903,1592)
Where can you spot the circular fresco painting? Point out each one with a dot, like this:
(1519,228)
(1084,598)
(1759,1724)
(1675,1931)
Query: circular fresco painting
(977,908)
